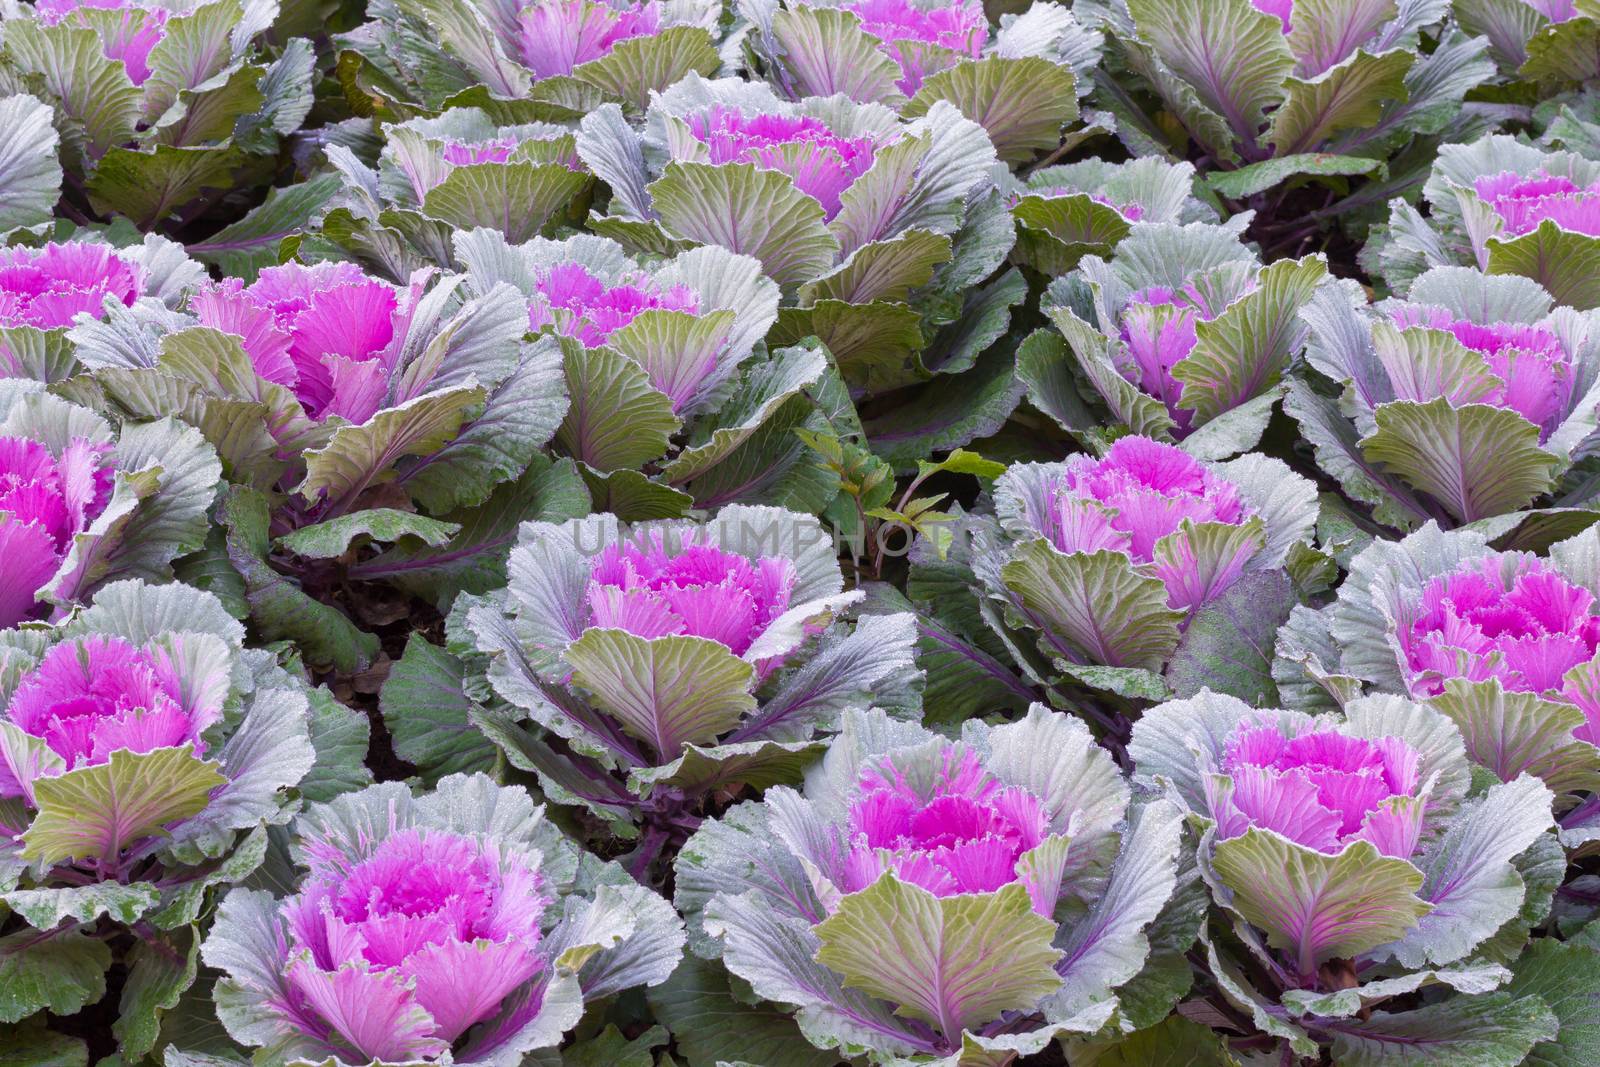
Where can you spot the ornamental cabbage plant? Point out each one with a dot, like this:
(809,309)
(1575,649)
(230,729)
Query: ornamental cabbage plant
(1480,359)
(1181,329)
(143,752)
(874,225)
(554,60)
(1269,89)
(1071,210)
(1105,562)
(1355,869)
(672,659)
(936,901)
(666,367)
(82,506)
(158,102)
(455,927)
(1021,83)
(1502,643)
(438,176)
(1506,208)
(358,416)
(44,290)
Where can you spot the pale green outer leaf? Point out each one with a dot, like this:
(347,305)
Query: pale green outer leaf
(1267,1016)
(1096,601)
(1470,978)
(340,737)
(147,186)
(1565,263)
(357,457)
(956,962)
(143,613)
(757,764)
(59,971)
(1506,23)
(1054,757)
(1475,459)
(1235,431)
(461,29)
(1109,946)
(825,51)
(1566,977)
(626,936)
(944,414)
(1513,732)
(1565,54)
(30,176)
(1348,96)
(1140,412)
(747,210)
(518,199)
(1023,102)
(158,974)
(1316,906)
(637,67)
(193,49)
(1243,351)
(92,93)
(245,941)
(1470,880)
(766,388)
(244,247)
(333,538)
(875,345)
(1494,1030)
(669,691)
(45,909)
(711,1027)
(617,419)
(1256,178)
(1441,758)
(1055,232)
(1232,56)
(99,810)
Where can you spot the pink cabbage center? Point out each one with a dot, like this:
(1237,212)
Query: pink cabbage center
(963,833)
(1322,789)
(822,164)
(44,501)
(694,589)
(1141,492)
(558,35)
(128,39)
(431,921)
(1158,332)
(466,153)
(1283,9)
(920,38)
(93,696)
(328,332)
(46,287)
(1512,618)
(1524,202)
(1533,366)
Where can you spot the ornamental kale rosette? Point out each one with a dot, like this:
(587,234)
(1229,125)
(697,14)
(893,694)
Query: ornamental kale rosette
(1107,562)
(1021,83)
(43,291)
(536,59)
(352,413)
(438,176)
(667,371)
(1354,869)
(1505,207)
(1480,360)
(1271,89)
(672,659)
(943,902)
(879,228)
(1066,212)
(143,752)
(160,101)
(81,505)
(1503,643)
(1181,330)
(455,927)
